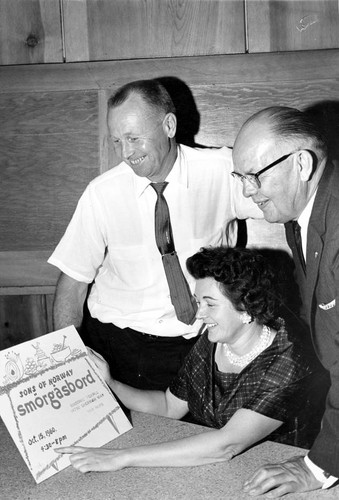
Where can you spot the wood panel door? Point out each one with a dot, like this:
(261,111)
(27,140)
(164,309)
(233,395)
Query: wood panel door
(278,25)
(128,29)
(30,32)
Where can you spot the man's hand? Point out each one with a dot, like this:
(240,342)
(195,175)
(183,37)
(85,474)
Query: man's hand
(101,363)
(278,479)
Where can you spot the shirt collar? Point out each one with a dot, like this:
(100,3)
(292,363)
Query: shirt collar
(303,221)
(304,218)
(178,174)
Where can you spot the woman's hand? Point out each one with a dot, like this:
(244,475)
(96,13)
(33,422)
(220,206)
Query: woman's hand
(101,363)
(218,445)
(94,459)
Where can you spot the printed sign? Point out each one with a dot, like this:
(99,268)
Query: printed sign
(51,395)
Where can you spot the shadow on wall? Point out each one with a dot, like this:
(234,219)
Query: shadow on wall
(188,116)
(283,264)
(326,114)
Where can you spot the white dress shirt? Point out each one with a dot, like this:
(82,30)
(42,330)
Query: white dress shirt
(111,237)
(303,221)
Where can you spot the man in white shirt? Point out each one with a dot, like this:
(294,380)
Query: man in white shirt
(111,242)
(281,159)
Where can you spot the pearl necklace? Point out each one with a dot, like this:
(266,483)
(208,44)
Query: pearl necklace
(264,341)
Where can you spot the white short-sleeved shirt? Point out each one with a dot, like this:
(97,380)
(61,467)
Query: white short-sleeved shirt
(111,237)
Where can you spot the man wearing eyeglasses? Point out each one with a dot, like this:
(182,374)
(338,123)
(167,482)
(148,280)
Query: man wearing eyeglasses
(281,159)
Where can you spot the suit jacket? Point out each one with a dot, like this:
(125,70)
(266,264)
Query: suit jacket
(319,289)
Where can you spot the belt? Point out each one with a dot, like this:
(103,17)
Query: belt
(158,338)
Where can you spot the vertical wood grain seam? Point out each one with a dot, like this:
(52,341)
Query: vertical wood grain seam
(103,145)
(45,312)
(246,27)
(62,25)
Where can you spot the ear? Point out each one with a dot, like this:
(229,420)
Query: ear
(170,125)
(306,164)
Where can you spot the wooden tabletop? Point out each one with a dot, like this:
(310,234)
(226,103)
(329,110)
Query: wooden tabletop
(216,481)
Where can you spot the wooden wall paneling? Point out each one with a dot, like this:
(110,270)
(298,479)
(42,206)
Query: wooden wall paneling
(49,300)
(49,77)
(27,272)
(23,318)
(48,154)
(224,109)
(292,25)
(30,32)
(104,147)
(128,29)
(228,92)
(76,30)
(53,137)
(216,70)
(223,69)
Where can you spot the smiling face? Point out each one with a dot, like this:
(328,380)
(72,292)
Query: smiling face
(222,319)
(143,138)
(283,192)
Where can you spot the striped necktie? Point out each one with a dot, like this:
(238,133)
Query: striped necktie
(184,303)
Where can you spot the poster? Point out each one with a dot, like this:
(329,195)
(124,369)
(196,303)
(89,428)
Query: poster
(51,395)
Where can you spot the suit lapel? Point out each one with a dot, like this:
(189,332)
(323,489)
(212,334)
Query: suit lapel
(315,240)
(316,234)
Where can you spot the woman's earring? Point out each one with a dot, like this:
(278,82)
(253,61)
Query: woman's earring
(246,318)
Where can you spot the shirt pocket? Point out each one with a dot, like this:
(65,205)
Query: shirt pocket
(131,266)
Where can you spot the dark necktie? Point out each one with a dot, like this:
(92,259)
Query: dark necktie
(298,243)
(184,304)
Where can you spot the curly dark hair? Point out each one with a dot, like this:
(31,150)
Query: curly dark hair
(245,276)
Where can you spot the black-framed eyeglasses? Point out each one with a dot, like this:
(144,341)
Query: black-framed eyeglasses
(254,178)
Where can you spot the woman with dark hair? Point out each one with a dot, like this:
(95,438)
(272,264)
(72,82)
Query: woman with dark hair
(243,377)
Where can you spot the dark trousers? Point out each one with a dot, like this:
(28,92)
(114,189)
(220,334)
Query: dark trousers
(137,359)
